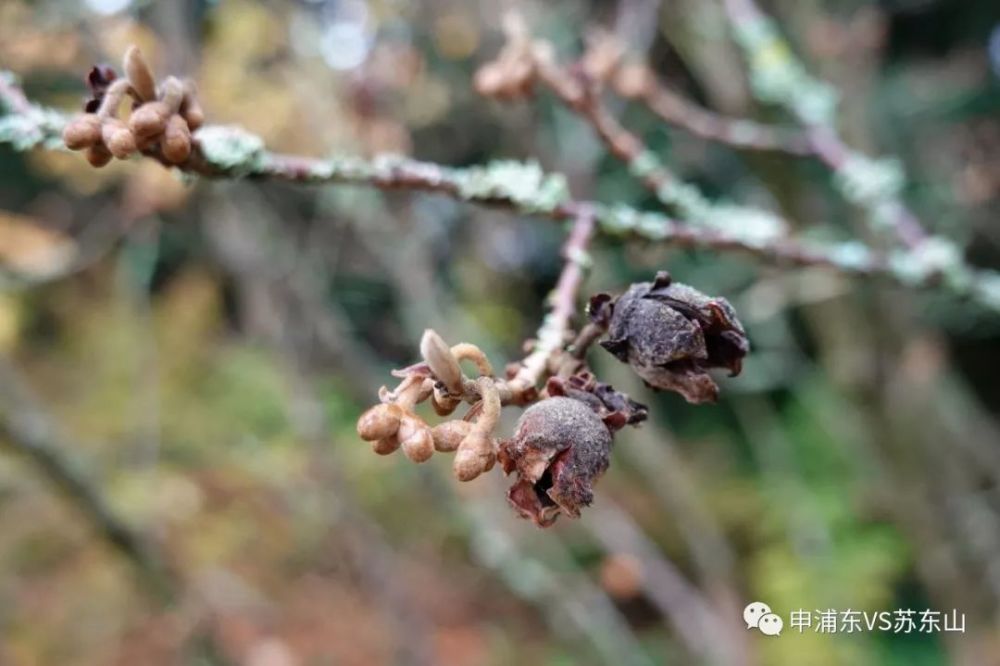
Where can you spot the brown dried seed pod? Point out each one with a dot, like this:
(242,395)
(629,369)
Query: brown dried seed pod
(139,74)
(149,120)
(98,155)
(190,107)
(118,138)
(379,422)
(176,144)
(415,438)
(82,132)
(476,454)
(449,435)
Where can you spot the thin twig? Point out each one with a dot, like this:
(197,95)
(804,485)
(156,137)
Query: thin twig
(523,188)
(558,323)
(27,430)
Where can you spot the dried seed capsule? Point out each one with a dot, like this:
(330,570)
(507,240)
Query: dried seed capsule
(176,143)
(559,449)
(139,74)
(98,155)
(415,438)
(475,455)
(118,138)
(379,422)
(449,435)
(82,132)
(672,334)
(149,120)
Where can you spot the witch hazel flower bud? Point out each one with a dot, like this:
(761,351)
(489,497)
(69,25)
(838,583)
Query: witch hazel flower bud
(560,448)
(672,334)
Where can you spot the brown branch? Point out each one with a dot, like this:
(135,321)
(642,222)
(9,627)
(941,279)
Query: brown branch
(28,431)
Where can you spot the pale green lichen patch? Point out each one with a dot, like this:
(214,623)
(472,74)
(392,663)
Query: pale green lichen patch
(231,148)
(522,183)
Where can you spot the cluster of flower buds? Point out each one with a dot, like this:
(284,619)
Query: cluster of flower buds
(393,424)
(161,119)
(512,74)
(672,334)
(669,333)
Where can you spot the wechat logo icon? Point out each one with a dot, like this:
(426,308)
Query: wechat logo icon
(758,616)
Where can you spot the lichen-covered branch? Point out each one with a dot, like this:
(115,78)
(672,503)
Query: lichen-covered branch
(524,188)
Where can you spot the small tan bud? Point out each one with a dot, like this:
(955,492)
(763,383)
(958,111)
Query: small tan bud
(475,455)
(82,132)
(98,155)
(190,107)
(379,422)
(149,120)
(415,438)
(118,138)
(139,75)
(449,435)
(443,403)
(384,447)
(176,144)
(442,362)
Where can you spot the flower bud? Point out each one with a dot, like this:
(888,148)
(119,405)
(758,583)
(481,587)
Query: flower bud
(149,120)
(379,422)
(118,138)
(449,435)
(415,438)
(559,449)
(384,447)
(631,80)
(139,74)
(441,361)
(97,155)
(191,108)
(82,132)
(672,334)
(443,403)
(475,455)
(176,143)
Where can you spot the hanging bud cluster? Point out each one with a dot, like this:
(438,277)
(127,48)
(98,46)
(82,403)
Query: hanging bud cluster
(393,424)
(670,334)
(160,121)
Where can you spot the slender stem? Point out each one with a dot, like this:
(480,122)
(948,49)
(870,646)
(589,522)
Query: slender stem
(558,323)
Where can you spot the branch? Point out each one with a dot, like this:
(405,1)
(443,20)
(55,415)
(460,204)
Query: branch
(226,152)
(558,323)
(27,430)
(778,77)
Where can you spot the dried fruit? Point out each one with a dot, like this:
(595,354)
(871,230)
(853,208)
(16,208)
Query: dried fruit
(672,334)
(559,449)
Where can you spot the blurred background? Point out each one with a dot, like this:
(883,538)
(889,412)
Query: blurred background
(203,349)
